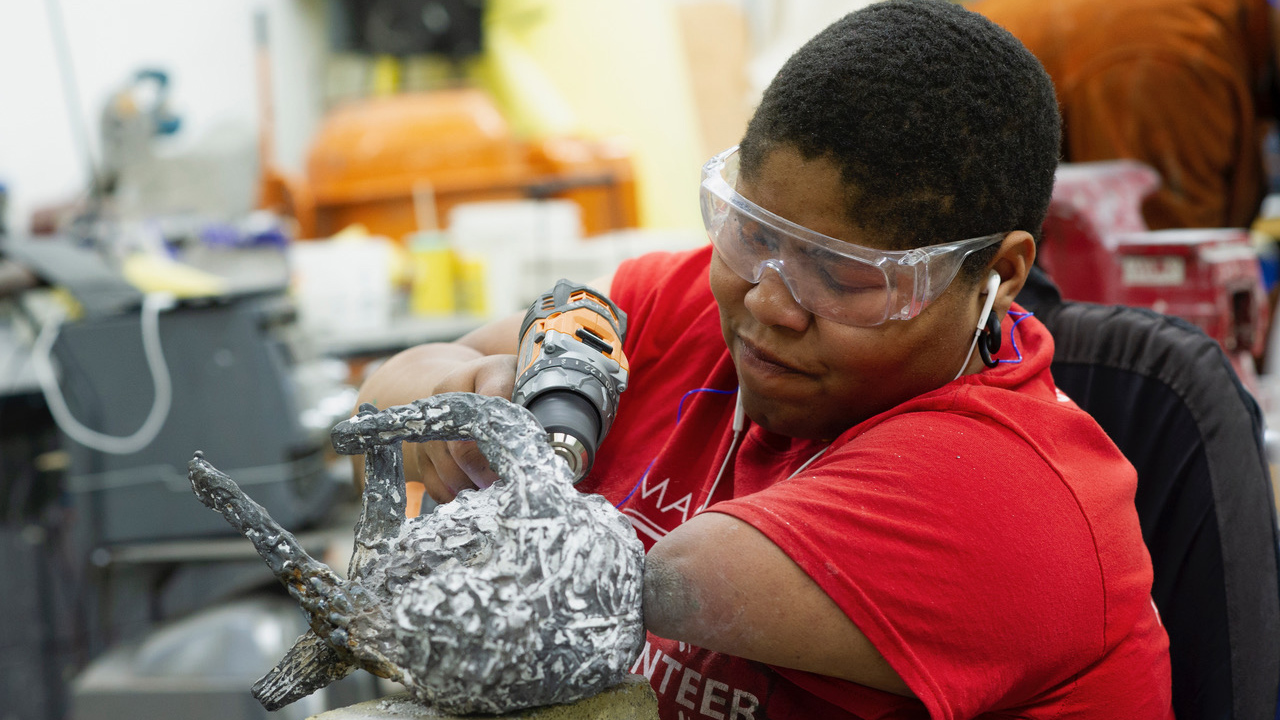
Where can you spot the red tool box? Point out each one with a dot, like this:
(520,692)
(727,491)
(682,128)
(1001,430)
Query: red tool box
(1097,248)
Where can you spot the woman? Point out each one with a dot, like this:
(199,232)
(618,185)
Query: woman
(860,492)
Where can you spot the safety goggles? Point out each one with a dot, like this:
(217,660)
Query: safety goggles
(849,284)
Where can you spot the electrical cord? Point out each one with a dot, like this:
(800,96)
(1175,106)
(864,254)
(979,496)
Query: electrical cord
(739,421)
(41,357)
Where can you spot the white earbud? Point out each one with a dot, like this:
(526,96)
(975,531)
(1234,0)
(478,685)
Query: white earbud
(993,284)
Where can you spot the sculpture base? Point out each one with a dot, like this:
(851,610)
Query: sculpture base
(633,699)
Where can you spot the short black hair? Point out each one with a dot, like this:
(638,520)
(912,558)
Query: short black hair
(944,126)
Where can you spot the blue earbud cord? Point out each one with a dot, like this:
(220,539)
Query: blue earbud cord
(1013,340)
(680,409)
(638,484)
(679,414)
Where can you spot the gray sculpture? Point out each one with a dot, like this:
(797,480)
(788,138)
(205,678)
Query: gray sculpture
(527,593)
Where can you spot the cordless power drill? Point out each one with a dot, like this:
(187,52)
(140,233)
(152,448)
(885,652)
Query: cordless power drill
(570,369)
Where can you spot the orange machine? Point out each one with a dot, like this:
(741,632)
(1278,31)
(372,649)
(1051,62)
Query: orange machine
(379,161)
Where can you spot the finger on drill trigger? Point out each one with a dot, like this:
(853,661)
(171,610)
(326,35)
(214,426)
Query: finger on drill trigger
(441,474)
(471,376)
(496,376)
(472,462)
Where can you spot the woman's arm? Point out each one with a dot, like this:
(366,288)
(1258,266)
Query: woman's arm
(718,583)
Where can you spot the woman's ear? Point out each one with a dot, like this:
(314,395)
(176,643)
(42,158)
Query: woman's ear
(1013,261)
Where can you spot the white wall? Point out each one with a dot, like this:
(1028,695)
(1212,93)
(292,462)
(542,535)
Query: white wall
(206,46)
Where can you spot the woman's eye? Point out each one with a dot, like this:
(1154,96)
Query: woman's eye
(843,276)
(846,285)
(849,278)
(759,239)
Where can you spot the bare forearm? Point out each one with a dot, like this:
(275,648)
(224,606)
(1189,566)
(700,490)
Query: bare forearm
(717,583)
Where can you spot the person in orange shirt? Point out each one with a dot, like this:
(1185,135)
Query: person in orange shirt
(1185,86)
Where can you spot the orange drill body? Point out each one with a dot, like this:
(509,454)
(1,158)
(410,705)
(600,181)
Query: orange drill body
(571,369)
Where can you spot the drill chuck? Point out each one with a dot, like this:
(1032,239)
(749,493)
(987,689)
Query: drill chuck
(572,425)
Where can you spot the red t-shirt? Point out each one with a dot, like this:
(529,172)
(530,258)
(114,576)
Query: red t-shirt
(982,536)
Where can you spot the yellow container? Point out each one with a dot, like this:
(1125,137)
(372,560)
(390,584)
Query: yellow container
(431,285)
(473,296)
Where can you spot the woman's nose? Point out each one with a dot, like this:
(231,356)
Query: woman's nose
(771,302)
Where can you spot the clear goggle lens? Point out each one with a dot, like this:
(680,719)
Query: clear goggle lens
(849,284)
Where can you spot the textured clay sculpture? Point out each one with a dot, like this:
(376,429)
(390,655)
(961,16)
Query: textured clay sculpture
(523,594)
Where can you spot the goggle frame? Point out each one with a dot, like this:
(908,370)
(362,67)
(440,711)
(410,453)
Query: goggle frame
(915,277)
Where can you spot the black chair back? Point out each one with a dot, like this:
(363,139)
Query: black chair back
(1167,396)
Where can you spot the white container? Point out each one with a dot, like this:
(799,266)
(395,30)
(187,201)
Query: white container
(513,240)
(342,286)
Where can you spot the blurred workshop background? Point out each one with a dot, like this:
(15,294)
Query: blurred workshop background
(217,215)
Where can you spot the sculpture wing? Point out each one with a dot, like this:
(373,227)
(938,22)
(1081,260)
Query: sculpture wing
(308,666)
